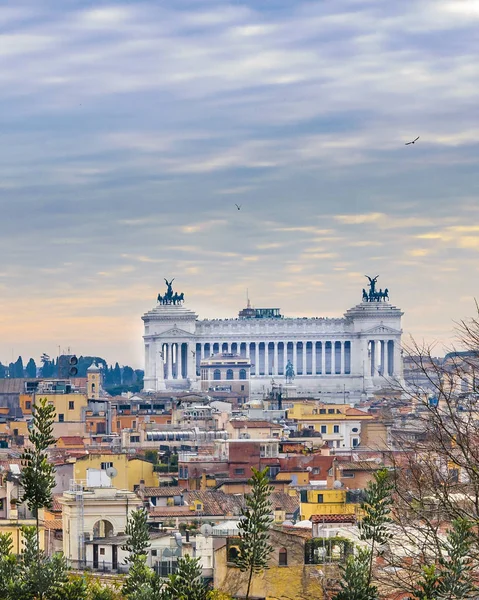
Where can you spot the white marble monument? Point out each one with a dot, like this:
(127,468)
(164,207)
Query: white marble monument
(353,354)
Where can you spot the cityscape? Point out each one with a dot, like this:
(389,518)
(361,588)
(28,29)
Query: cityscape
(239,337)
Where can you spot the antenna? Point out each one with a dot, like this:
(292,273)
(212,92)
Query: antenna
(248,304)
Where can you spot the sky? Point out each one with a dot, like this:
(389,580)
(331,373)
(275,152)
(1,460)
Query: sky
(129,130)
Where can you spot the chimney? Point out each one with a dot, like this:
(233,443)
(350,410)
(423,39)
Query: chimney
(325,450)
(142,486)
(187,534)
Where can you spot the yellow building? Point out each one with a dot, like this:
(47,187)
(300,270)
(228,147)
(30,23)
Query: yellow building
(129,472)
(328,502)
(338,424)
(288,575)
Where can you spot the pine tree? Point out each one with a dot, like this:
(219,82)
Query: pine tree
(3,371)
(186,583)
(141,582)
(452,576)
(254,527)
(357,573)
(138,535)
(38,475)
(31,369)
(18,368)
(117,374)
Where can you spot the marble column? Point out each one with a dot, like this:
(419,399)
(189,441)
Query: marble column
(295,357)
(383,357)
(256,359)
(169,361)
(343,357)
(305,363)
(372,362)
(266,358)
(333,357)
(179,361)
(275,358)
(323,358)
(313,358)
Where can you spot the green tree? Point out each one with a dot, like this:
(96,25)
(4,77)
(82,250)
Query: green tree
(186,583)
(357,573)
(41,577)
(3,371)
(48,366)
(254,527)
(117,374)
(18,369)
(11,370)
(452,577)
(355,583)
(9,568)
(141,582)
(138,535)
(38,474)
(31,369)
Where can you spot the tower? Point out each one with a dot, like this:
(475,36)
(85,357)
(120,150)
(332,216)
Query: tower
(94,381)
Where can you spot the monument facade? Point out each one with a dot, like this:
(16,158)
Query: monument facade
(353,354)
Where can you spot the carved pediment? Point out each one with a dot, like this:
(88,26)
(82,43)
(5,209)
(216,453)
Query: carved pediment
(176,332)
(382,329)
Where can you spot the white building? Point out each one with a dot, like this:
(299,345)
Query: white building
(358,352)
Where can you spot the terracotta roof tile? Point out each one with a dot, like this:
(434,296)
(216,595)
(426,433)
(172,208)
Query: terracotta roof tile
(54,524)
(333,518)
(163,492)
(71,440)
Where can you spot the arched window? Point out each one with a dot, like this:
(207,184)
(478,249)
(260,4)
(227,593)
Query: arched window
(283,557)
(233,553)
(216,374)
(242,374)
(229,374)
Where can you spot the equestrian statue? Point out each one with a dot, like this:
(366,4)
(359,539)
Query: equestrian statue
(170,297)
(373,295)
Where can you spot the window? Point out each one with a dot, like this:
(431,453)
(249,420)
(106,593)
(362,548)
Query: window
(242,388)
(283,557)
(28,405)
(330,411)
(348,474)
(355,442)
(354,429)
(61,418)
(315,470)
(303,495)
(217,374)
(15,432)
(133,424)
(71,405)
(229,374)
(118,425)
(135,439)
(102,551)
(239,471)
(105,465)
(336,428)
(322,411)
(320,498)
(324,429)
(242,374)
(154,553)
(272,472)
(1,503)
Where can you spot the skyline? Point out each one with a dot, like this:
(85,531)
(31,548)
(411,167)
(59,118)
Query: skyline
(131,130)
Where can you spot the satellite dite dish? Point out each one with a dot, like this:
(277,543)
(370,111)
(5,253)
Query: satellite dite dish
(206,530)
(337,485)
(111,472)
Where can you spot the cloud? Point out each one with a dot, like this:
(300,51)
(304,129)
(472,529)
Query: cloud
(128,129)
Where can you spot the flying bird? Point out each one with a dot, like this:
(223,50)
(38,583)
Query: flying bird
(413,142)
(238,206)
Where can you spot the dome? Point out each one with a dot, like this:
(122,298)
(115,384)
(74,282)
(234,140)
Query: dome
(93,368)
